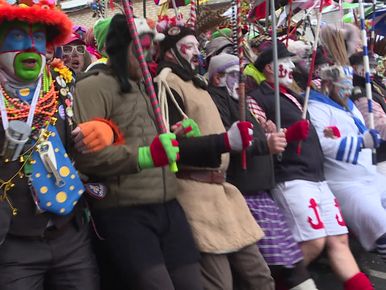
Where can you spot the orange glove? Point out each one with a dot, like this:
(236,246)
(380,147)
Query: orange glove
(93,136)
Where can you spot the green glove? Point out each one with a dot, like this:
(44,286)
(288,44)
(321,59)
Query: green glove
(162,151)
(187,128)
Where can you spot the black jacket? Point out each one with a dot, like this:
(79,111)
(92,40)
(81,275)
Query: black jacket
(308,165)
(28,222)
(379,97)
(259,175)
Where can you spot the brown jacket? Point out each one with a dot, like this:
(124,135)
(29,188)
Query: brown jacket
(218,214)
(98,95)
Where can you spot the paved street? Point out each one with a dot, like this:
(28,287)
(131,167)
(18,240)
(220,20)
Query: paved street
(369,263)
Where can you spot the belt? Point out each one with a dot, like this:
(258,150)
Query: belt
(206,176)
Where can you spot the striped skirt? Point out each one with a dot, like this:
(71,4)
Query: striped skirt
(278,245)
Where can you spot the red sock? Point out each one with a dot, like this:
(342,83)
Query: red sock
(358,282)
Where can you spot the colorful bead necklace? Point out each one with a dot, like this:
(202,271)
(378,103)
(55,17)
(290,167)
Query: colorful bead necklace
(45,108)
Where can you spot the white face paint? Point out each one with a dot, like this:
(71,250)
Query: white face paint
(188,49)
(231,81)
(319,68)
(286,67)
(343,88)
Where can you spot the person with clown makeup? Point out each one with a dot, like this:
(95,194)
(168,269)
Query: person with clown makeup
(223,227)
(278,247)
(312,211)
(146,241)
(348,161)
(44,241)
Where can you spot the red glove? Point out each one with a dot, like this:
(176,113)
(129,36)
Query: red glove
(239,136)
(298,131)
(161,149)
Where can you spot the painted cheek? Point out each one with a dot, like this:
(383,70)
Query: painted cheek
(282,71)
(40,45)
(183,49)
(16,40)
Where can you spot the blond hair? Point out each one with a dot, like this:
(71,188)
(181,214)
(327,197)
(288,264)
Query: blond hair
(333,39)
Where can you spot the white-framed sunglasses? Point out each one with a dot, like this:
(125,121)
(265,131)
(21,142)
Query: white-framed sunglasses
(68,49)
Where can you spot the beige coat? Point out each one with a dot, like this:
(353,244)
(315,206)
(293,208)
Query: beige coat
(218,214)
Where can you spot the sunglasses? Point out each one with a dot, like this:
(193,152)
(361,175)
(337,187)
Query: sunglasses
(68,49)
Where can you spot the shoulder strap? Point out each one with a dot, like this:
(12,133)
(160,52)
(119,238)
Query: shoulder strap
(163,92)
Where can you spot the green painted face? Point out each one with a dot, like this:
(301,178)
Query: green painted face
(28,65)
(22,49)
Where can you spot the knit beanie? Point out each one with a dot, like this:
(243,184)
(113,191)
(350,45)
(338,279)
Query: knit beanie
(101,27)
(173,35)
(222,63)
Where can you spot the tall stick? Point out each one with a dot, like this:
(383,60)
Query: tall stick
(234,26)
(312,68)
(240,52)
(145,72)
(366,65)
(312,65)
(275,66)
(144,8)
(372,37)
(193,14)
(289,22)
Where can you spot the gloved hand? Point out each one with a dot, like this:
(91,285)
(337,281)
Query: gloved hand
(186,128)
(298,131)
(92,136)
(162,151)
(371,139)
(239,136)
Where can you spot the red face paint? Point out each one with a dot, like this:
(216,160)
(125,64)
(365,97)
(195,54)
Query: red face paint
(282,71)
(183,49)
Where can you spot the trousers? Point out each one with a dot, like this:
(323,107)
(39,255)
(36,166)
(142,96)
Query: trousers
(65,262)
(245,269)
(147,247)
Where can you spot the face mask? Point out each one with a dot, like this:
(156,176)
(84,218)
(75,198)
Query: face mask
(286,67)
(187,47)
(22,50)
(231,82)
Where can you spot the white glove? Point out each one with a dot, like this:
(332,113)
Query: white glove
(239,136)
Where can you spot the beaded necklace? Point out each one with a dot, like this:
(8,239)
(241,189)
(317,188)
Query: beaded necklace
(46,106)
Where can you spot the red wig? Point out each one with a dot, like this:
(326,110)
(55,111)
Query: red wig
(59,26)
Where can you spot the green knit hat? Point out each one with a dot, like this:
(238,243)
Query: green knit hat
(101,27)
(227,32)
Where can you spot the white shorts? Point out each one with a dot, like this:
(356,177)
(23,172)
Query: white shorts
(363,204)
(311,209)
